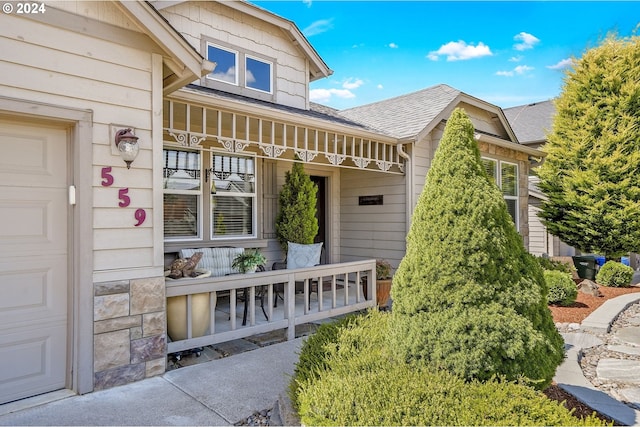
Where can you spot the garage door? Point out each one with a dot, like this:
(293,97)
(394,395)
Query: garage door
(33,259)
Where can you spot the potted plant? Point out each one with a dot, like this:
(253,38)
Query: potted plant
(247,261)
(383,282)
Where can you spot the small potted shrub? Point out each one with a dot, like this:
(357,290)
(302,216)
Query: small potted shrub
(248,261)
(383,282)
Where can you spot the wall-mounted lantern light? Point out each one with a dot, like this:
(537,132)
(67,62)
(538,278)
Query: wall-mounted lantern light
(127,144)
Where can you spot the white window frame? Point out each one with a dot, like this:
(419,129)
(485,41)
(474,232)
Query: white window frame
(246,69)
(205,231)
(497,165)
(236,54)
(253,196)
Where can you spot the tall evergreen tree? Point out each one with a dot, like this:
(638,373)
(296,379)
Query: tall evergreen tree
(296,220)
(467,297)
(592,171)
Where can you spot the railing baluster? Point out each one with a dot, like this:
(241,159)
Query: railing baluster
(232,308)
(334,291)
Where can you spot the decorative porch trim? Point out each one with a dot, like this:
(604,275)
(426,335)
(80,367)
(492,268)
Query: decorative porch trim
(191,125)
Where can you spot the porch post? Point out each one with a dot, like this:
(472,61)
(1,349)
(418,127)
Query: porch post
(290,306)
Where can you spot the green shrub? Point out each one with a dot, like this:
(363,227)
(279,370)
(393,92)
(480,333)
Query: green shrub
(467,297)
(562,289)
(314,352)
(615,274)
(362,383)
(296,220)
(550,264)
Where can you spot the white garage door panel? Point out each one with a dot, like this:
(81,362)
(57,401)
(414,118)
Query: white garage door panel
(32,155)
(30,294)
(35,350)
(34,260)
(33,221)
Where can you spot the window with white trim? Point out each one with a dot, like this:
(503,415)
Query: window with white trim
(215,202)
(243,72)
(505,176)
(226,64)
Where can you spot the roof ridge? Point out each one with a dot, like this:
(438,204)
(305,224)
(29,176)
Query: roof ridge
(386,100)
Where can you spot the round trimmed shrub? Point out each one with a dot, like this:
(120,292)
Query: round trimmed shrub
(562,289)
(467,297)
(615,274)
(359,381)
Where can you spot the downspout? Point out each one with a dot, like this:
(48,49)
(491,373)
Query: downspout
(408,173)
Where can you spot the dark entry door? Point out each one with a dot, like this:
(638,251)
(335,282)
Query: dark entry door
(321,212)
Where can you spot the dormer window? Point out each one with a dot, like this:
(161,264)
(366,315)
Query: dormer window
(237,71)
(226,64)
(258,74)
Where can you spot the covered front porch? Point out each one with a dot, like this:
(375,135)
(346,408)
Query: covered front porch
(207,311)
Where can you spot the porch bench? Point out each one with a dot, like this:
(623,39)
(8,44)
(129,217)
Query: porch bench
(217,261)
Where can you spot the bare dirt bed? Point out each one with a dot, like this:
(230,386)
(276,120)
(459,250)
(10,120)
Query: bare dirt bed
(576,313)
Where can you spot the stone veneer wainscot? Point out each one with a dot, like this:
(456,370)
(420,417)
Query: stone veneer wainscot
(129,331)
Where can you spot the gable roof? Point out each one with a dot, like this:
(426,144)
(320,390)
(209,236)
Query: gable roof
(531,122)
(405,116)
(317,67)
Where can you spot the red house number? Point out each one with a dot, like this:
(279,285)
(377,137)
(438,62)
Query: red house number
(107,180)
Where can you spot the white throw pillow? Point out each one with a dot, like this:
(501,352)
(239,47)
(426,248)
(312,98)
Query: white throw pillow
(300,256)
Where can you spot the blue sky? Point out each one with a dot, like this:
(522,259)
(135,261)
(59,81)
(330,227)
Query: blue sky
(507,53)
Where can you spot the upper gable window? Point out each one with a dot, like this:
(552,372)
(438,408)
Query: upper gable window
(258,74)
(240,71)
(226,64)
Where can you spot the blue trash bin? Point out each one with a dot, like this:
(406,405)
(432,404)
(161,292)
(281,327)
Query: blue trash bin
(625,260)
(600,260)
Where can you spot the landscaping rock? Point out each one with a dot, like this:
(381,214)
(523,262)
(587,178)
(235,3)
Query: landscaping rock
(589,287)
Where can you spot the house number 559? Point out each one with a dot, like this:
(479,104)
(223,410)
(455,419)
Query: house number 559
(123,195)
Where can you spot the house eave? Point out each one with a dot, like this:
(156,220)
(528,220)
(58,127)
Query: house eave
(188,95)
(481,137)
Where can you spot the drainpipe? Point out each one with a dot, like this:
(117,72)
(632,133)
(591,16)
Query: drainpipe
(408,173)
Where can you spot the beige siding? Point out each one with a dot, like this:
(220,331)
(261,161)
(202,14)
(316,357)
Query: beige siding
(485,121)
(48,64)
(217,22)
(372,231)
(537,233)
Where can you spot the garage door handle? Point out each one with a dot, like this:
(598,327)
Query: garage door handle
(72,194)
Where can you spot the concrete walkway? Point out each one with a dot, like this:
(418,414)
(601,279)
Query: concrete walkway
(570,376)
(219,392)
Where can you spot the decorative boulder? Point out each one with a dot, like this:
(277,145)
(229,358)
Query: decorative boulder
(589,287)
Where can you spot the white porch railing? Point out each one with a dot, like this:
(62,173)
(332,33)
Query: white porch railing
(327,291)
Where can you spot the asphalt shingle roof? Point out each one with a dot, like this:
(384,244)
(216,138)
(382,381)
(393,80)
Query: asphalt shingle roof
(531,122)
(406,115)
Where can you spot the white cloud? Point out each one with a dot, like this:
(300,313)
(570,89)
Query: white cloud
(459,51)
(520,70)
(318,27)
(380,87)
(516,58)
(325,95)
(352,83)
(393,45)
(307,2)
(527,41)
(565,63)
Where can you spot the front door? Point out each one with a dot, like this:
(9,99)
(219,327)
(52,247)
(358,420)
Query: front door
(321,212)
(34,275)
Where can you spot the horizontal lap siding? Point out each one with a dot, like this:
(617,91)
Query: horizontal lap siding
(372,231)
(47,64)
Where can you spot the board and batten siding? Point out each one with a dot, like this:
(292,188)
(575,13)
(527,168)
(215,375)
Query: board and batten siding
(216,22)
(44,62)
(372,231)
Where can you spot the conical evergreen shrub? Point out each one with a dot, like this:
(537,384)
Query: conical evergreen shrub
(296,219)
(467,297)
